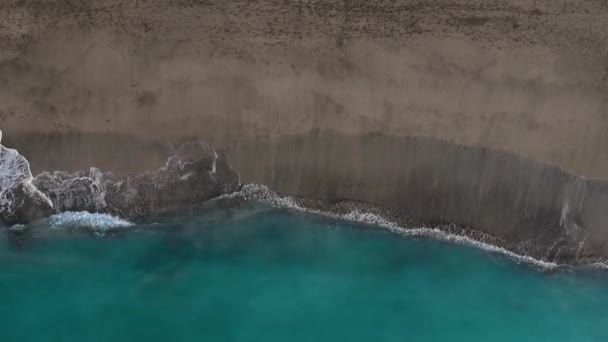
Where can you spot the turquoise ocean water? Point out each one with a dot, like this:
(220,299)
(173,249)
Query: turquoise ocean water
(264,274)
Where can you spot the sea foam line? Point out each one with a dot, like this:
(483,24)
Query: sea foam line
(264,195)
(439,234)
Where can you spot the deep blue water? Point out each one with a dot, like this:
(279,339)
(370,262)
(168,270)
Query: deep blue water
(254,274)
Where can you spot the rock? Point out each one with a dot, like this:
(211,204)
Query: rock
(194,174)
(78,191)
(20,201)
(34,206)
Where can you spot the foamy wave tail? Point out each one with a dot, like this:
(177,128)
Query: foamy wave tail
(83,219)
(265,195)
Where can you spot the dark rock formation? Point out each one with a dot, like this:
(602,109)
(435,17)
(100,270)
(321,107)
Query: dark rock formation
(20,201)
(195,173)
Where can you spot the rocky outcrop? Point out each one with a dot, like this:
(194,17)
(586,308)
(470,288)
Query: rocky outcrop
(20,201)
(195,173)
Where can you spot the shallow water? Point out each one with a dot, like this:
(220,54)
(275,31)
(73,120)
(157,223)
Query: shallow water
(274,275)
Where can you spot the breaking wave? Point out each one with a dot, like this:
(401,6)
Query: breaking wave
(82,219)
(265,195)
(442,235)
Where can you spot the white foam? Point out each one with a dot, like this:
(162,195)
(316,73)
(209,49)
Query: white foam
(83,219)
(265,195)
(17,227)
(213,166)
(439,234)
(185,176)
(600,265)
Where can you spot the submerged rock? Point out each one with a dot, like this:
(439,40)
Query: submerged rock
(195,173)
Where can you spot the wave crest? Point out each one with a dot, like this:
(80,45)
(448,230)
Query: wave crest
(82,219)
(269,197)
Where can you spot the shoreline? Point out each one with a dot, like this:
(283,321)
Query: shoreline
(371,216)
(520,206)
(401,224)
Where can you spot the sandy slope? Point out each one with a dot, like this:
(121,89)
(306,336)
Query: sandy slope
(523,76)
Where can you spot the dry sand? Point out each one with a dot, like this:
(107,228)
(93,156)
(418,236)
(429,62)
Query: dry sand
(529,77)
